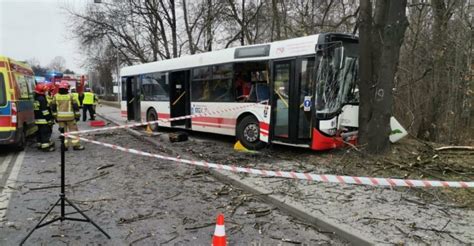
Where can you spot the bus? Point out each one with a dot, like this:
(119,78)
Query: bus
(300,92)
(17,120)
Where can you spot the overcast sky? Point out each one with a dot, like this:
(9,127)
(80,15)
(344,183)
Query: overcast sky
(38,29)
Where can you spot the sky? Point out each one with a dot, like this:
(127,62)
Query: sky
(38,29)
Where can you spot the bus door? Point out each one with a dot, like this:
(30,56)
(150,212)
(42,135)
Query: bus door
(180,98)
(291,102)
(133,99)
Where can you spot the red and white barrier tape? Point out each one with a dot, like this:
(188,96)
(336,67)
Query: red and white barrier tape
(166,120)
(294,175)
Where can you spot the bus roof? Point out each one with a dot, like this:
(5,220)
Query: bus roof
(279,49)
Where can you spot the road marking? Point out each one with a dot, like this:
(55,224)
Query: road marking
(5,164)
(11,182)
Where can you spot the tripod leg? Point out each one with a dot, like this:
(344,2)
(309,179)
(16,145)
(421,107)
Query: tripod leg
(85,216)
(39,223)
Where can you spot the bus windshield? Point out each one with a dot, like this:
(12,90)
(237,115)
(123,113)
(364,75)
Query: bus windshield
(336,77)
(3,95)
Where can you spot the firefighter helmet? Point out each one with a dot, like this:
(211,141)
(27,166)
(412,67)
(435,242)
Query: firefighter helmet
(40,88)
(64,85)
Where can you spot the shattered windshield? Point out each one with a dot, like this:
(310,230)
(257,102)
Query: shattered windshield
(336,78)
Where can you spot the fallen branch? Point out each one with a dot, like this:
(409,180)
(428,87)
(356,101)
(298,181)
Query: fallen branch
(106,166)
(89,179)
(455,148)
(140,239)
(97,200)
(199,226)
(286,240)
(171,239)
(136,218)
(46,187)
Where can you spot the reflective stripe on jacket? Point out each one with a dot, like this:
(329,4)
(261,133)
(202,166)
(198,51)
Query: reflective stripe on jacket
(41,110)
(63,107)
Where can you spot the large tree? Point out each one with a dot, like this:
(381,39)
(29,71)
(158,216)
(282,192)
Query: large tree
(381,36)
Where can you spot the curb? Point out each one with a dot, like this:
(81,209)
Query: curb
(292,208)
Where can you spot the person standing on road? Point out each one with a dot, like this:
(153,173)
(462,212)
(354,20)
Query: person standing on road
(76,97)
(88,103)
(66,112)
(43,119)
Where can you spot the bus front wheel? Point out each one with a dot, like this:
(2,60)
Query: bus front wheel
(248,133)
(152,116)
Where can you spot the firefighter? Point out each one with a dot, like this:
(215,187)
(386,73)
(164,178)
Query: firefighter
(43,119)
(49,93)
(88,104)
(66,112)
(76,96)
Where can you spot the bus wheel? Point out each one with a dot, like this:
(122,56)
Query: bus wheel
(20,146)
(248,133)
(152,116)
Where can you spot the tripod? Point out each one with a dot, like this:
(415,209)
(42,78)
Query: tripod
(62,201)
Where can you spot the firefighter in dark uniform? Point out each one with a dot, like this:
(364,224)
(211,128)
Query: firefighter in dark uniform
(43,119)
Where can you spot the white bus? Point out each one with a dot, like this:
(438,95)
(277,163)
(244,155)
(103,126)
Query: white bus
(299,92)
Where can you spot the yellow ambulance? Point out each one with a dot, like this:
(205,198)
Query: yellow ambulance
(17,119)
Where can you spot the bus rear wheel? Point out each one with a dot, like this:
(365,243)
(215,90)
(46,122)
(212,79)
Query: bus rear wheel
(248,133)
(152,116)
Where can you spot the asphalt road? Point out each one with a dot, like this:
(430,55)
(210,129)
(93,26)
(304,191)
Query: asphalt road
(137,200)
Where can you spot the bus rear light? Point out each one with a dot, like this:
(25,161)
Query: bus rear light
(14,113)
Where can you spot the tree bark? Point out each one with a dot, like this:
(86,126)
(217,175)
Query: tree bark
(378,65)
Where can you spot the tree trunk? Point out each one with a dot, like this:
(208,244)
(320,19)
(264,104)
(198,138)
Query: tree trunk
(192,49)
(380,48)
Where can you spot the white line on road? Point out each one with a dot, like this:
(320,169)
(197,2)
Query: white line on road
(11,182)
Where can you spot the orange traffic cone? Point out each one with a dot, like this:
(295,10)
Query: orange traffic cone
(219,238)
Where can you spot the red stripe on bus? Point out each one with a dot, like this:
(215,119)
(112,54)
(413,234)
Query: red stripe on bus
(264,126)
(163,116)
(215,120)
(213,126)
(2,64)
(5,121)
